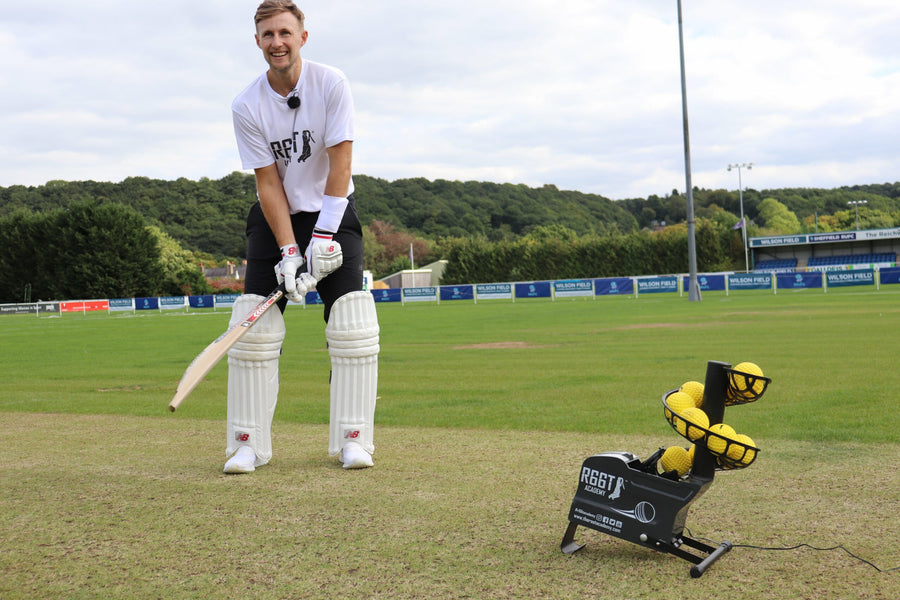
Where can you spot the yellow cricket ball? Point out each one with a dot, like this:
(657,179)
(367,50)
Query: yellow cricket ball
(694,389)
(698,423)
(719,434)
(739,453)
(748,387)
(677,459)
(677,402)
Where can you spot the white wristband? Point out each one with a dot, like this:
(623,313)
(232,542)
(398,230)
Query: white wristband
(332,213)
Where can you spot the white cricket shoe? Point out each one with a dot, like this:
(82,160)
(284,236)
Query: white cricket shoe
(355,456)
(243,461)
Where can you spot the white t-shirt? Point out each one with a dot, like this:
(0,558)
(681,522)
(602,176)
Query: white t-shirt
(268,130)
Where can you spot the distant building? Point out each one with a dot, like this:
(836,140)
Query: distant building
(229,271)
(426,276)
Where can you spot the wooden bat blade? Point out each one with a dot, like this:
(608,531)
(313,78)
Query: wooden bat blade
(204,362)
(212,354)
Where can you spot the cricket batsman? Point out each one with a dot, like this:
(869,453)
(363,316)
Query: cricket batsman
(294,128)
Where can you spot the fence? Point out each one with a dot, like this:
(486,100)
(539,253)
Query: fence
(550,289)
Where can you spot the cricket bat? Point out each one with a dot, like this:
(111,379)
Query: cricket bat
(212,354)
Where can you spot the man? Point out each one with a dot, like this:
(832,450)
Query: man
(294,128)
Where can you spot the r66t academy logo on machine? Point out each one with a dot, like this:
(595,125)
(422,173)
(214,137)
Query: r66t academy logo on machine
(610,487)
(603,484)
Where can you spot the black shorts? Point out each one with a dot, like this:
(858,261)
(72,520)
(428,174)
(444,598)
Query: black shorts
(263,254)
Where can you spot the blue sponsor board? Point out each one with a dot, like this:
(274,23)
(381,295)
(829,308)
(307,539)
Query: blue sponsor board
(457,292)
(657,285)
(799,281)
(420,294)
(750,281)
(825,238)
(616,286)
(494,291)
(573,287)
(890,275)
(146,303)
(388,295)
(312,298)
(121,304)
(205,301)
(785,240)
(533,289)
(854,277)
(707,283)
(819,238)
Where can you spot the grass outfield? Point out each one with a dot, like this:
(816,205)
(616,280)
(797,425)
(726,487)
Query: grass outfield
(485,414)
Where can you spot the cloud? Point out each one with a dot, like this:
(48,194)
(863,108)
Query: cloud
(582,94)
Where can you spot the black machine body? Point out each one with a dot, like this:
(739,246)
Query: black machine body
(620,495)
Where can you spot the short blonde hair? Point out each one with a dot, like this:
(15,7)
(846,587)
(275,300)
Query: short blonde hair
(270,8)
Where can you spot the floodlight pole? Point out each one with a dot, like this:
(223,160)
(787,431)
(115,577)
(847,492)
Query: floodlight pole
(739,166)
(693,286)
(856,204)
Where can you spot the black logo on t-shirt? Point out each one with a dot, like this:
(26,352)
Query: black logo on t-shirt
(284,149)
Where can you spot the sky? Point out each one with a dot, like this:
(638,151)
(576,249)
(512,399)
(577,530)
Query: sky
(581,94)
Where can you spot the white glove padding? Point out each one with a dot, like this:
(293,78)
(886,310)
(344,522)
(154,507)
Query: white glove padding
(295,285)
(323,255)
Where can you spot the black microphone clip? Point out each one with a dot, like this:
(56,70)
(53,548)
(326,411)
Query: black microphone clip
(294,101)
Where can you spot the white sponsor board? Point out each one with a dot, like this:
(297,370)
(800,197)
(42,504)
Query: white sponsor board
(420,294)
(494,291)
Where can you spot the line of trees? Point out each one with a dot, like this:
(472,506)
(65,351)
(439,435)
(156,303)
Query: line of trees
(555,252)
(146,236)
(90,250)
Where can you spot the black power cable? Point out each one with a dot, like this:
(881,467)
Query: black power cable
(804,545)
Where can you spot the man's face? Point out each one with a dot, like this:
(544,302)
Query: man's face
(280,40)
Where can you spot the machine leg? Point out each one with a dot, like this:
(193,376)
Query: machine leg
(569,545)
(698,569)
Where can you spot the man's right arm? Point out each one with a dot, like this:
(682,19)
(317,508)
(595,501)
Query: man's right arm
(274,203)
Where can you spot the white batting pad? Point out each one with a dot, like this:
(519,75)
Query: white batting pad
(352,334)
(253,380)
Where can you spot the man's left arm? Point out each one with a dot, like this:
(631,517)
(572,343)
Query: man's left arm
(324,255)
(340,157)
